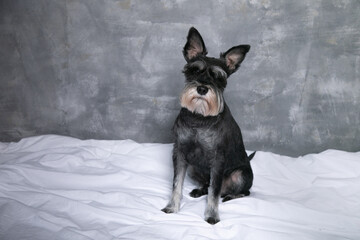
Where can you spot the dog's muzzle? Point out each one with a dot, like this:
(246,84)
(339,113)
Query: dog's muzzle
(205,100)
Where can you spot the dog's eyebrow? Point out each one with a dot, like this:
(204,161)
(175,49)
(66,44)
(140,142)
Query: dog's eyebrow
(199,64)
(219,72)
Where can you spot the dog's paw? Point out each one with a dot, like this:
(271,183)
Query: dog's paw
(212,220)
(169,210)
(198,192)
(231,197)
(212,216)
(227,198)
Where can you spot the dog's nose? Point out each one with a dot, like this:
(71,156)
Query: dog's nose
(202,90)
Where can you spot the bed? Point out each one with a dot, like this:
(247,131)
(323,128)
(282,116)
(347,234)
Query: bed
(56,187)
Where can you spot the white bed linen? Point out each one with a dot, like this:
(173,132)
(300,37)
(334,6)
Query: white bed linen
(55,187)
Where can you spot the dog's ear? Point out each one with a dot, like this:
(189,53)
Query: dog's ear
(194,46)
(234,56)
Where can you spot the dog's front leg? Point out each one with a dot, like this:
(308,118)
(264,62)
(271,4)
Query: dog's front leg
(180,167)
(216,177)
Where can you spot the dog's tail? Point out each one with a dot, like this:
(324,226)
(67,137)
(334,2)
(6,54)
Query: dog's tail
(251,156)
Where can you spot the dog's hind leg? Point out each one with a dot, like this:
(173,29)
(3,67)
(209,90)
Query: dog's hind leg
(202,179)
(237,184)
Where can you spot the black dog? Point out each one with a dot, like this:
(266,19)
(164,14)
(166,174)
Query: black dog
(208,140)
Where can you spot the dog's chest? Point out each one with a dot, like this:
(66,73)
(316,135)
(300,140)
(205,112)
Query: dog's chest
(197,144)
(205,137)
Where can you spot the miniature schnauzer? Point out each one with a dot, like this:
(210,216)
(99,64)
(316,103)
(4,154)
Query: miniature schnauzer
(208,140)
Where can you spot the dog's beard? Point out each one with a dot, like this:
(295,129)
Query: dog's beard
(210,104)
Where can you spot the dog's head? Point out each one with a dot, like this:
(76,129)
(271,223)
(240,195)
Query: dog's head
(206,77)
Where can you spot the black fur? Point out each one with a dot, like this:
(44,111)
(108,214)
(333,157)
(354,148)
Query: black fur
(210,147)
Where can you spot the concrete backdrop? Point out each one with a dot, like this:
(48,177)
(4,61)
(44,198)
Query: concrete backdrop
(112,69)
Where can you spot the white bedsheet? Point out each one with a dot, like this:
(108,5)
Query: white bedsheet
(54,187)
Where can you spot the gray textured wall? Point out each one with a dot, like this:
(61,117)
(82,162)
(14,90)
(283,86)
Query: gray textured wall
(112,69)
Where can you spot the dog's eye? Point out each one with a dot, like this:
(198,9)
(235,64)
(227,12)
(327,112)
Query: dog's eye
(196,67)
(195,70)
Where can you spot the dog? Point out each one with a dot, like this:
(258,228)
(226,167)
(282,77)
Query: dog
(208,141)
